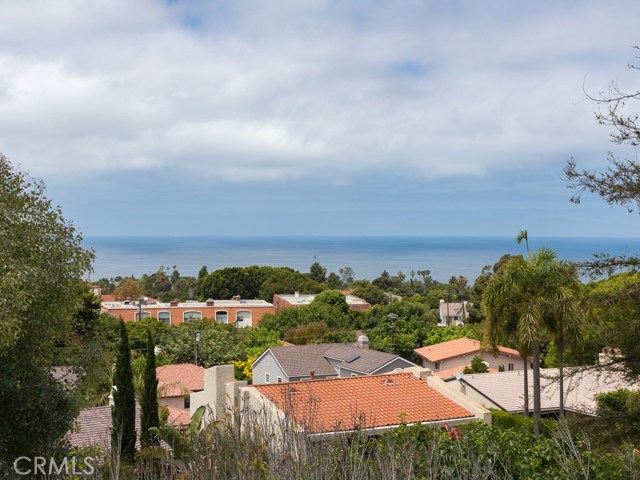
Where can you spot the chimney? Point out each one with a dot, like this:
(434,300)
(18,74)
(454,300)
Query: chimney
(210,302)
(312,375)
(236,298)
(297,294)
(174,302)
(363,341)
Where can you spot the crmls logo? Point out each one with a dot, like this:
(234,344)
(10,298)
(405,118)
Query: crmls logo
(50,466)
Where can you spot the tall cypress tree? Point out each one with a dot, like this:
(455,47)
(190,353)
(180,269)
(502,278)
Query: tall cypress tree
(149,400)
(123,415)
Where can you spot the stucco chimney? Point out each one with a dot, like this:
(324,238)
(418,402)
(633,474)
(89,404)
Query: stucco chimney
(236,298)
(296,294)
(363,341)
(174,302)
(210,302)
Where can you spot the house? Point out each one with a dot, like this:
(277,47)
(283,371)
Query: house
(176,383)
(242,313)
(453,313)
(298,299)
(325,407)
(304,362)
(446,359)
(504,390)
(92,428)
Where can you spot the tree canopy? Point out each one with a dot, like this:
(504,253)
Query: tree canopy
(41,263)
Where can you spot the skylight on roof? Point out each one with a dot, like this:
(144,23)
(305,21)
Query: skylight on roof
(352,358)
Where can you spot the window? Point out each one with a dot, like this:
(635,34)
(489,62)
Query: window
(279,379)
(191,315)
(187,402)
(436,366)
(222,316)
(510,367)
(144,315)
(243,318)
(267,378)
(164,317)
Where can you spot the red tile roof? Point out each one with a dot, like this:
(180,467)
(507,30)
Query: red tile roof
(365,401)
(178,417)
(456,348)
(178,380)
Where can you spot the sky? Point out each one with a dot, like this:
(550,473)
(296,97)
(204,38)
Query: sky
(315,117)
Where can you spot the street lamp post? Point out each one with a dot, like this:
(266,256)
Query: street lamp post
(196,342)
(392,318)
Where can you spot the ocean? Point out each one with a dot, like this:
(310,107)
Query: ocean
(368,256)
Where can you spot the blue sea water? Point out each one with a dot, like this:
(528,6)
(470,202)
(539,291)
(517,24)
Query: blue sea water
(368,256)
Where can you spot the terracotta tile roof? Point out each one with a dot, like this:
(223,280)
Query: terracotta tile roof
(456,348)
(178,380)
(93,428)
(178,417)
(107,298)
(366,401)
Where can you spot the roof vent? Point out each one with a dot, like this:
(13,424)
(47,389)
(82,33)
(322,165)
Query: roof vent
(388,382)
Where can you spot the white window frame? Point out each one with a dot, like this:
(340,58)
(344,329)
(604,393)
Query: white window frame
(249,318)
(267,377)
(510,367)
(145,314)
(436,366)
(279,379)
(162,319)
(226,312)
(186,318)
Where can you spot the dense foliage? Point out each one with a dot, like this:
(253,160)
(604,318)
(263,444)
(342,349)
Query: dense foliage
(41,262)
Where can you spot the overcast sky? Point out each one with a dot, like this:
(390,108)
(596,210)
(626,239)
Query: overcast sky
(315,117)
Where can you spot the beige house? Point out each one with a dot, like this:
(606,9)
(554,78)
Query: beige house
(447,359)
(176,384)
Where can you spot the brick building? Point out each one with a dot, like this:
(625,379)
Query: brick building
(243,313)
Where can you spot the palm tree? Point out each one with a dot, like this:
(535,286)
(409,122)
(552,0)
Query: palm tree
(528,300)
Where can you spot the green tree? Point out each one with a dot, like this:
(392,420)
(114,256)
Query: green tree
(528,300)
(287,280)
(477,366)
(129,288)
(123,435)
(334,282)
(41,263)
(149,400)
(370,293)
(332,298)
(347,275)
(317,273)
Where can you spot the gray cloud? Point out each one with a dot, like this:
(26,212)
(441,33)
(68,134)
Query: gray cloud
(262,90)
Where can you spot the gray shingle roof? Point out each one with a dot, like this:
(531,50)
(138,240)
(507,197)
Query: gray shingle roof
(299,360)
(581,386)
(93,428)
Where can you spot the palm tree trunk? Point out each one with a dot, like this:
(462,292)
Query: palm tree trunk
(536,389)
(560,348)
(526,385)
